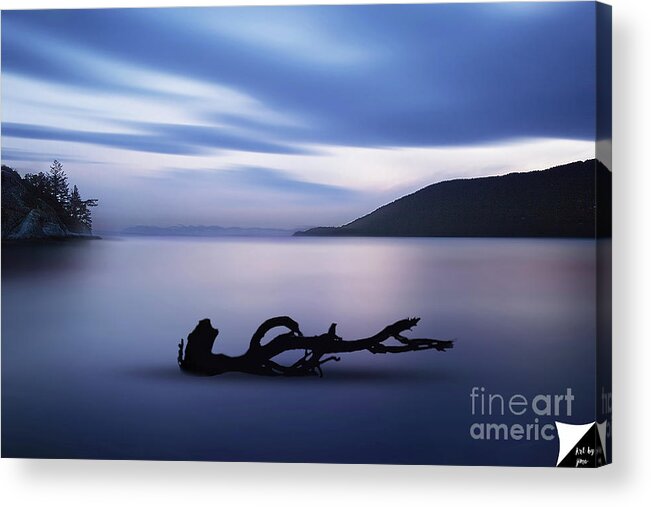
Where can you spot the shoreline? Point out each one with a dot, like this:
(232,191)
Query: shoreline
(49,240)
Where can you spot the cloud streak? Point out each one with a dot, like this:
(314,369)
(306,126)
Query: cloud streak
(158,138)
(261,178)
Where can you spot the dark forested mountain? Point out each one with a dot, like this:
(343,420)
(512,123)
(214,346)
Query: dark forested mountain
(40,206)
(557,202)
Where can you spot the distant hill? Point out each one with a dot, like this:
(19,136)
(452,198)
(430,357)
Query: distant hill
(27,214)
(556,202)
(204,231)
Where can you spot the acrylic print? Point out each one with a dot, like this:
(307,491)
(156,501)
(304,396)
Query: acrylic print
(341,234)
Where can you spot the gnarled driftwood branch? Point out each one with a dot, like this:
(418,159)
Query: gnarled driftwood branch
(259,358)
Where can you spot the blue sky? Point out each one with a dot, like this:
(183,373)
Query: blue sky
(292,116)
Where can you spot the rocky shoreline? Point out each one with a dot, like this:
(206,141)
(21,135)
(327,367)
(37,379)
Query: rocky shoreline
(29,216)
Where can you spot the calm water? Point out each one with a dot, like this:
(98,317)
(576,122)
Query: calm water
(90,333)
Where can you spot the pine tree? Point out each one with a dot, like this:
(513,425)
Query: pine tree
(85,216)
(59,184)
(76,205)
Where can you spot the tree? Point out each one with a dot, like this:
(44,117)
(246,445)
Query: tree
(259,358)
(59,184)
(53,185)
(79,208)
(41,183)
(86,216)
(76,205)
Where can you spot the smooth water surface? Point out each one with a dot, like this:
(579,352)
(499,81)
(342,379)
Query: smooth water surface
(90,333)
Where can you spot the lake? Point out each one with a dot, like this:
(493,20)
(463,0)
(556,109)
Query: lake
(90,333)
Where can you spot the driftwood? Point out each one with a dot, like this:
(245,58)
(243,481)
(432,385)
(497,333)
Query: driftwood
(258,359)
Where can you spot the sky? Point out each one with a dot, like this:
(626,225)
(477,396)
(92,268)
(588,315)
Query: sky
(292,116)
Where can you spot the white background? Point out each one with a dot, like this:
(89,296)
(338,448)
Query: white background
(627,482)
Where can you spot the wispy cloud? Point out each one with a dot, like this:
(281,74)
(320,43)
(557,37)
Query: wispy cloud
(257,179)
(157,138)
(136,142)
(16,155)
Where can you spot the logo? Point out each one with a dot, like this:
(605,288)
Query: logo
(581,445)
(523,418)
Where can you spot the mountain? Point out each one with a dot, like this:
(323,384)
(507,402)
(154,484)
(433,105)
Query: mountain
(204,231)
(556,202)
(29,215)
